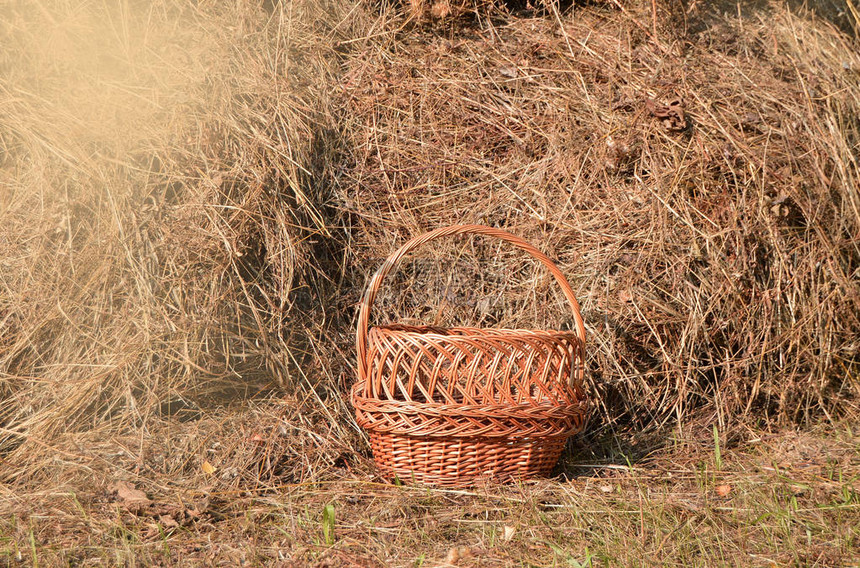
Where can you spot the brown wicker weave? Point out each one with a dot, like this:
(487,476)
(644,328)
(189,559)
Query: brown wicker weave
(453,407)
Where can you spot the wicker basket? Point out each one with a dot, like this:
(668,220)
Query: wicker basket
(459,406)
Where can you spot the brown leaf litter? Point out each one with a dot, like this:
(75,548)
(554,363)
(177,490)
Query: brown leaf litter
(671,115)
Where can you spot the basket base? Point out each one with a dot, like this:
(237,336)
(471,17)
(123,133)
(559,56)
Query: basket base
(461,462)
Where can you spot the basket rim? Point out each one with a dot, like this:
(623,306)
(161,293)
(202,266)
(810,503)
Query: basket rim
(537,423)
(465,332)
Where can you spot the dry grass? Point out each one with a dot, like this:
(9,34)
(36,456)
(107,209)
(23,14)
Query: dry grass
(159,225)
(716,257)
(785,498)
(191,198)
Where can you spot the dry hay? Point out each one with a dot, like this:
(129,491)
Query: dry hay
(713,243)
(164,206)
(168,244)
(157,223)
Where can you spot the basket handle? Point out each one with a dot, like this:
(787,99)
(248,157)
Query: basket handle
(392,261)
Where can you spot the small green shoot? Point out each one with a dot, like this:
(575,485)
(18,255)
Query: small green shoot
(328,524)
(718,459)
(568,558)
(33,549)
(164,543)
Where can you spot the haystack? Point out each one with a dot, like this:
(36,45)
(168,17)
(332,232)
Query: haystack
(696,176)
(158,225)
(193,197)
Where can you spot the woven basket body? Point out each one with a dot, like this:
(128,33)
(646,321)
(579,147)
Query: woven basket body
(460,406)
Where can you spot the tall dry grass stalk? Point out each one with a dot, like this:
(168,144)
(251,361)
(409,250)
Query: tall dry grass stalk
(716,256)
(159,216)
